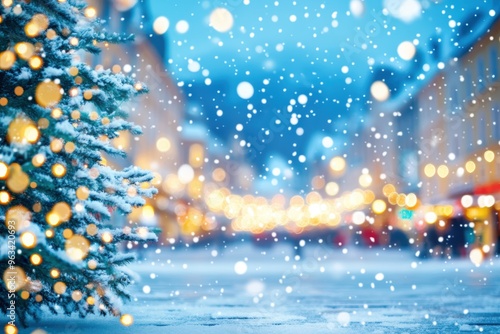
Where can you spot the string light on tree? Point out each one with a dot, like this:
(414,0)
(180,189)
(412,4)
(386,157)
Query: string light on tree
(48,94)
(77,247)
(36,259)
(22,130)
(19,275)
(28,240)
(48,120)
(58,170)
(7,60)
(4,170)
(4,197)
(18,180)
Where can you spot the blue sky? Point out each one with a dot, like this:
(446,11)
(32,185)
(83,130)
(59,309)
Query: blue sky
(287,49)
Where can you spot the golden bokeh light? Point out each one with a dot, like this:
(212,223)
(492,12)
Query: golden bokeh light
(489,156)
(77,247)
(38,160)
(388,189)
(19,276)
(470,166)
(148,212)
(196,155)
(379,206)
(332,189)
(337,164)
(35,62)
(365,180)
(10,329)
(218,175)
(56,113)
(90,12)
(48,94)
(67,233)
(28,240)
(51,34)
(126,320)
(63,211)
(82,193)
(24,50)
(163,144)
(22,130)
(43,123)
(76,295)
(19,91)
(55,273)
(20,215)
(49,233)
(92,229)
(429,170)
(41,21)
(7,60)
(4,197)
(73,71)
(4,171)
(18,180)
(92,264)
(56,145)
(36,259)
(401,200)
(430,217)
(107,237)
(411,200)
(443,171)
(60,288)
(69,147)
(58,170)
(393,198)
(52,219)
(25,295)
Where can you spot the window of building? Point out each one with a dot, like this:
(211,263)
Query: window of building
(468,86)
(496,122)
(469,139)
(482,131)
(493,63)
(481,75)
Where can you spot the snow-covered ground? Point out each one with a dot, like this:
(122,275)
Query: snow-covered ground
(327,291)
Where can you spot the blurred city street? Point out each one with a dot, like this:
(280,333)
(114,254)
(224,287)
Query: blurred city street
(354,292)
(276,166)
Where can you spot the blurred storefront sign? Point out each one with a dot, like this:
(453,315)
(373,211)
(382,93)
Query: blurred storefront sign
(477,213)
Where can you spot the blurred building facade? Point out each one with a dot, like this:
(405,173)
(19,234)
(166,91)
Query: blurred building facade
(160,112)
(431,144)
(460,127)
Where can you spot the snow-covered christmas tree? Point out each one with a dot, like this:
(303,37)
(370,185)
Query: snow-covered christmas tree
(57,193)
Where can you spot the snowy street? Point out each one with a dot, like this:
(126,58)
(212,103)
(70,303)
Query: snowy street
(199,291)
(276,166)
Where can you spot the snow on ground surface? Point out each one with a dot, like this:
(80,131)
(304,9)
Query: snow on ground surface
(327,291)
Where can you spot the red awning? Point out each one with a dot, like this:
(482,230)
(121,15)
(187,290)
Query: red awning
(487,189)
